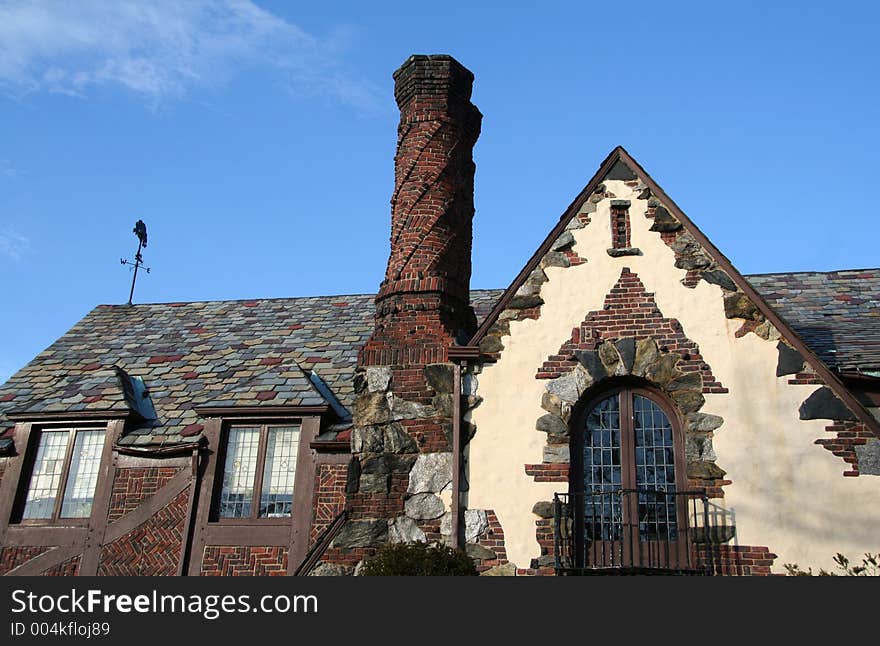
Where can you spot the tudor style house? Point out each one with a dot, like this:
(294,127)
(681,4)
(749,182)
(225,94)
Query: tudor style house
(631,403)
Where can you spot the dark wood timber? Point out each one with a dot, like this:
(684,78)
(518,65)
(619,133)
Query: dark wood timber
(146,510)
(24,536)
(73,417)
(91,557)
(331,446)
(187,526)
(261,411)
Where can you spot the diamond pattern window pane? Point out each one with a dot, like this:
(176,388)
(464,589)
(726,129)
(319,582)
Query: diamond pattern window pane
(239,472)
(85,463)
(276,499)
(46,476)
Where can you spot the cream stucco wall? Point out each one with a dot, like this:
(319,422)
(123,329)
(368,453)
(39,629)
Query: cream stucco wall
(787,494)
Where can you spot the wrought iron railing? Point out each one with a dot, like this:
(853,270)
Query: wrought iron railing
(633,531)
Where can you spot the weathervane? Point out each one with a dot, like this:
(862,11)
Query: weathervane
(140,230)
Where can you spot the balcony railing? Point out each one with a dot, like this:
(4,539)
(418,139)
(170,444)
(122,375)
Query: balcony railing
(634,531)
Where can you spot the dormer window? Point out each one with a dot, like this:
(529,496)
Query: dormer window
(65,472)
(259,465)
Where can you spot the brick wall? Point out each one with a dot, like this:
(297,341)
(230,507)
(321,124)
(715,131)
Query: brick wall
(329,497)
(630,310)
(12,557)
(230,560)
(151,549)
(70,567)
(134,485)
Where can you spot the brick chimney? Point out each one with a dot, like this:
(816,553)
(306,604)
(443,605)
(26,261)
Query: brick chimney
(423,304)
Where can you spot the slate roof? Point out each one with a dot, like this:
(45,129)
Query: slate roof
(836,313)
(215,353)
(260,352)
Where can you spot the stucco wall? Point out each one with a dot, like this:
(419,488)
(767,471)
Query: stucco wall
(787,492)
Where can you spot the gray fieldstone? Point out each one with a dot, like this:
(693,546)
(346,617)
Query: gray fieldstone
(687,381)
(699,448)
(556,406)
(626,348)
(869,458)
(331,569)
(362,533)
(620,171)
(543,509)
(689,401)
(719,277)
(397,440)
(551,424)
(738,305)
(378,378)
(564,387)
(703,422)
(440,377)
(824,404)
(430,473)
(424,506)
(404,530)
(508,569)
(557,453)
(646,355)
(371,408)
(368,439)
(564,241)
(705,470)
(790,360)
(610,358)
(479,552)
(555,259)
(475,523)
(491,344)
(664,221)
(525,302)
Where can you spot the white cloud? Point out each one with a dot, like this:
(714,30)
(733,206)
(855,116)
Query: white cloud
(7,170)
(162,49)
(13,244)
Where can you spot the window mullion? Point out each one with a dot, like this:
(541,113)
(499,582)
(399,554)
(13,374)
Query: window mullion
(65,472)
(261,466)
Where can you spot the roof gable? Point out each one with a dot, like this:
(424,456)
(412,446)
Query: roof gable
(620,165)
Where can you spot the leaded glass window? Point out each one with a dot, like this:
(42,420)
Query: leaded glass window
(260,464)
(64,474)
(629,470)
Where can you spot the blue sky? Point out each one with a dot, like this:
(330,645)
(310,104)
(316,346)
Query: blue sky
(256,139)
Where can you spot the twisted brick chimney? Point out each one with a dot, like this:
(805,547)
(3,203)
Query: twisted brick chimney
(423,304)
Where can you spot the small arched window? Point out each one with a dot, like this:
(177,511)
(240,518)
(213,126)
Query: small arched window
(628,485)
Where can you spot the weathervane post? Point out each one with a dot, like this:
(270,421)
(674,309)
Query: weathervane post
(140,230)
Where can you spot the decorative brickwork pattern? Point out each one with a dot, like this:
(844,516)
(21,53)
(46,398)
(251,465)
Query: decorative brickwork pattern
(70,567)
(423,303)
(631,311)
(12,557)
(153,548)
(244,561)
(134,485)
(848,435)
(329,497)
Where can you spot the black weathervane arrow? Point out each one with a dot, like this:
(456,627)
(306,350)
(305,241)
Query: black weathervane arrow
(140,230)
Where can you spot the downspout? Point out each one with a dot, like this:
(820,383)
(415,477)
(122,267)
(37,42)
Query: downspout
(456,453)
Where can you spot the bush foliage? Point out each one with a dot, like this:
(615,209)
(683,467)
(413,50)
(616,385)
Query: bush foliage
(870,567)
(419,559)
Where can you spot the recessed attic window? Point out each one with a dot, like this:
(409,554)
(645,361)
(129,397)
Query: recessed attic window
(620,230)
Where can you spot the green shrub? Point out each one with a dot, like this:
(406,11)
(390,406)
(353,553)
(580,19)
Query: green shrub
(419,559)
(870,567)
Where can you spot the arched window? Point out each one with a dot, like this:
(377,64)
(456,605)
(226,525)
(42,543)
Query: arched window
(628,488)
